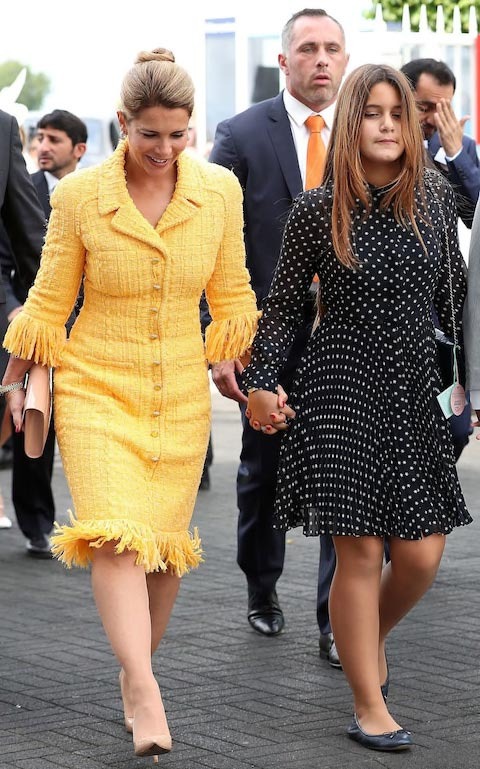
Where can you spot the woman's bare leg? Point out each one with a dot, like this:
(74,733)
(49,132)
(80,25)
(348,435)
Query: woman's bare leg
(405,580)
(354,614)
(122,598)
(162,590)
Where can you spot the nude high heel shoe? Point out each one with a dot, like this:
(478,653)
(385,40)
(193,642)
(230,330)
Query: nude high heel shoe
(127,709)
(151,745)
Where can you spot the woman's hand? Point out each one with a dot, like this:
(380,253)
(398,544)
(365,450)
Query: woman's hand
(15,372)
(15,401)
(267,411)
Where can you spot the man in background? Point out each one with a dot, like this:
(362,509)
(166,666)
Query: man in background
(21,221)
(276,148)
(455,154)
(62,142)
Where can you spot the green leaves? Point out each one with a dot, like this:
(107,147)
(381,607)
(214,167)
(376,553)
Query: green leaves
(36,85)
(393,9)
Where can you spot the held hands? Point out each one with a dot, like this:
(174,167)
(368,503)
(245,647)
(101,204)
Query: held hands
(268,412)
(450,129)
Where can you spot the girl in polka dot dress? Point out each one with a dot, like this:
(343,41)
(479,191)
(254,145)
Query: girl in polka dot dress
(368,455)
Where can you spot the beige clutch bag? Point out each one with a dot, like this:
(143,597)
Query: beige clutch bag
(37,410)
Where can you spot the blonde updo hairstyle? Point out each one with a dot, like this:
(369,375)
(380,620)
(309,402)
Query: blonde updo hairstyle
(155,80)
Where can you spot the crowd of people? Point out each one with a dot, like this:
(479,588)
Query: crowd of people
(313,263)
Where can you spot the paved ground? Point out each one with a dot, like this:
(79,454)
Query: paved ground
(234,699)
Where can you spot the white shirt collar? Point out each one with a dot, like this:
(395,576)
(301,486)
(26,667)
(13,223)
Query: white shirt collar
(51,180)
(299,112)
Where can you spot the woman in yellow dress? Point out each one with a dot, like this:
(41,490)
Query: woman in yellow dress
(147,230)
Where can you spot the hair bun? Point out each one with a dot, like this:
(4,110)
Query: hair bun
(158,54)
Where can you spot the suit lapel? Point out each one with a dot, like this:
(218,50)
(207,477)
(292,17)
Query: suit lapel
(41,186)
(280,133)
(434,145)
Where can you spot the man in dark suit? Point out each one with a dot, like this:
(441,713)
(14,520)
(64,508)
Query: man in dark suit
(455,154)
(62,139)
(266,146)
(21,214)
(21,218)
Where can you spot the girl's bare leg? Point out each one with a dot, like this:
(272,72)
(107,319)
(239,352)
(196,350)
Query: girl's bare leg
(405,580)
(354,614)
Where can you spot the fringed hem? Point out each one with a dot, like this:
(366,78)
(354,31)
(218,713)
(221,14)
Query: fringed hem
(178,551)
(34,340)
(229,339)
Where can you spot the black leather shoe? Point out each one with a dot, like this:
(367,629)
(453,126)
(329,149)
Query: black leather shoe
(328,650)
(264,613)
(389,741)
(39,548)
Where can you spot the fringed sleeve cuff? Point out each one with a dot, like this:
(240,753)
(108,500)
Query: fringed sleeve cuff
(229,339)
(35,340)
(176,551)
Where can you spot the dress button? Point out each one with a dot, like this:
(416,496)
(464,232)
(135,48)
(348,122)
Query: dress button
(156,286)
(154,309)
(154,459)
(157,387)
(153,336)
(155,261)
(154,434)
(156,363)
(156,414)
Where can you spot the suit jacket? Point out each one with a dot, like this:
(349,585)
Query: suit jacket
(20,211)
(257,145)
(15,290)
(41,186)
(471,312)
(464,175)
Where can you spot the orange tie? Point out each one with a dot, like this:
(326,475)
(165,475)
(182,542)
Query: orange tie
(315,152)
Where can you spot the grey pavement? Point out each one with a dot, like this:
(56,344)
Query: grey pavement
(234,699)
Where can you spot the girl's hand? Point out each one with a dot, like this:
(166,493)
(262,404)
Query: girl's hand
(268,412)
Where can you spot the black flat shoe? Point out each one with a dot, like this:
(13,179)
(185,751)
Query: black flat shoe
(264,613)
(388,741)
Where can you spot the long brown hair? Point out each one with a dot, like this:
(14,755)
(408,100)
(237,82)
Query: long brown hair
(344,163)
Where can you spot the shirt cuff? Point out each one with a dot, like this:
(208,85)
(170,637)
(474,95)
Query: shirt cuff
(454,157)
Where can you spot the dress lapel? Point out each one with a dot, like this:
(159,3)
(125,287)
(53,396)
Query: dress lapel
(127,219)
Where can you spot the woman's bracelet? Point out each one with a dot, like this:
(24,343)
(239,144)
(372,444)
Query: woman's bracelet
(11,387)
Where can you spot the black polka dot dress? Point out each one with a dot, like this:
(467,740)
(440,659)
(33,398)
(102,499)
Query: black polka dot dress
(369,452)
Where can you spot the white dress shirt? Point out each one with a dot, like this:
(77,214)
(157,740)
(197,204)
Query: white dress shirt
(297,114)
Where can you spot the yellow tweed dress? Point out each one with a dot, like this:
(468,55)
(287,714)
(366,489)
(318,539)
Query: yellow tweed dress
(132,397)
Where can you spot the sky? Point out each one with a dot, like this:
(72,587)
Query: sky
(85,48)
